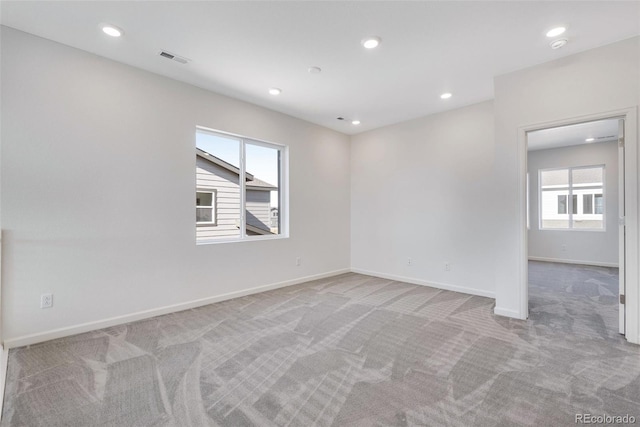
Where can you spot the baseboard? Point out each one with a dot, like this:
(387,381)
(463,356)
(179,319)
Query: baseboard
(413,281)
(4,359)
(573,261)
(146,314)
(505,312)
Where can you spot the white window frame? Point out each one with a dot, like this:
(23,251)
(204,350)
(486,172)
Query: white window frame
(569,197)
(213,206)
(283,188)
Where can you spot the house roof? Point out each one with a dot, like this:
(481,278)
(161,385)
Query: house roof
(258,230)
(252,182)
(258,184)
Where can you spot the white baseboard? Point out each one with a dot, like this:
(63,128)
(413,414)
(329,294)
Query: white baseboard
(505,312)
(573,261)
(119,320)
(445,286)
(4,360)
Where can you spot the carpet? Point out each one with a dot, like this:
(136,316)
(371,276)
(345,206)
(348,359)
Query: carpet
(350,350)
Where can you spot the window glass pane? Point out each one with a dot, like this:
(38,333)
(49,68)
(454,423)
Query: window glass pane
(218,169)
(554,190)
(583,177)
(204,199)
(592,224)
(586,217)
(554,178)
(553,213)
(574,204)
(599,207)
(204,214)
(585,181)
(262,189)
(562,204)
(587,203)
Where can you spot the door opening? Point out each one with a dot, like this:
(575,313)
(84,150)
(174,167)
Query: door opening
(575,206)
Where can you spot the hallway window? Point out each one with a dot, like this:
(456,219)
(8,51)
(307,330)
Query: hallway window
(572,198)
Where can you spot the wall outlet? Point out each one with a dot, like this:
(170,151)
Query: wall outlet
(46,300)
(447,266)
(563,248)
(298,261)
(409,261)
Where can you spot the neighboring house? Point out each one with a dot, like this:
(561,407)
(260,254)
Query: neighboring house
(274,218)
(218,200)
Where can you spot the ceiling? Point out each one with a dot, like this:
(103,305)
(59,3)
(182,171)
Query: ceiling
(241,49)
(565,136)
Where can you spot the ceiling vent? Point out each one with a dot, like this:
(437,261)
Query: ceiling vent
(173,56)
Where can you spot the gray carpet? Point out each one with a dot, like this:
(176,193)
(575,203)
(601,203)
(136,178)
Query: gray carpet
(350,350)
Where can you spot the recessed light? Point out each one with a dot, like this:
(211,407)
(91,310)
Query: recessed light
(355,122)
(557,44)
(371,42)
(275,91)
(314,70)
(556,31)
(590,139)
(112,30)
(446,95)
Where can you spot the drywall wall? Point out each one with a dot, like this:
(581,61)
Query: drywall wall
(575,246)
(98,181)
(593,82)
(420,190)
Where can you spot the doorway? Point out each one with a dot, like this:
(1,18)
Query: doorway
(575,205)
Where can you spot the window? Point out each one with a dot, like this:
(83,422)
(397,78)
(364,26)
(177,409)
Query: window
(599,207)
(562,204)
(240,182)
(206,207)
(587,203)
(572,198)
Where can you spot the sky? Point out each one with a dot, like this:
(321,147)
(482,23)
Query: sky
(262,162)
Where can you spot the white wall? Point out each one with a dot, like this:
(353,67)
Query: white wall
(576,246)
(90,146)
(422,190)
(589,83)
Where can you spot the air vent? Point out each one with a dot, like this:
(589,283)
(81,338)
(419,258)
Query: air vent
(173,57)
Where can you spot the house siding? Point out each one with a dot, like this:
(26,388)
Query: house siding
(258,205)
(212,177)
(258,202)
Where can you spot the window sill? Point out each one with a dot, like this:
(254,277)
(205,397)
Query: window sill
(597,230)
(247,239)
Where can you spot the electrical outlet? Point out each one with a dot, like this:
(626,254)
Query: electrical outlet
(409,261)
(46,300)
(298,261)
(563,248)
(447,266)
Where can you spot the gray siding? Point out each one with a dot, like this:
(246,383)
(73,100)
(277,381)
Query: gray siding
(210,176)
(258,208)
